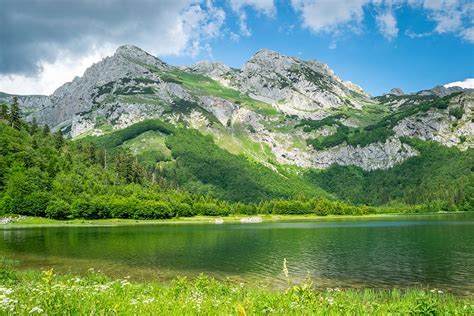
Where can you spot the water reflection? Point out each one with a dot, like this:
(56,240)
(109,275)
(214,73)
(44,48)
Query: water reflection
(434,251)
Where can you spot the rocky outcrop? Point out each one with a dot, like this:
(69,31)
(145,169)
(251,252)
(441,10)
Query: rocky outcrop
(441,91)
(396,92)
(296,87)
(452,126)
(371,157)
(214,70)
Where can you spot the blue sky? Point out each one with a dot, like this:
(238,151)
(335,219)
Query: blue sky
(378,44)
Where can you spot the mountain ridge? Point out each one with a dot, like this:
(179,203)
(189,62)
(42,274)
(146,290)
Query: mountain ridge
(276,109)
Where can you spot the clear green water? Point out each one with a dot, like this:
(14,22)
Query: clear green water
(435,251)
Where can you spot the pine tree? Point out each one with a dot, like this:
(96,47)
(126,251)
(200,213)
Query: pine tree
(46,130)
(33,126)
(14,116)
(58,139)
(3,111)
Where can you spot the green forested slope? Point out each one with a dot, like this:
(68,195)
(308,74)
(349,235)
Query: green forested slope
(186,173)
(200,166)
(440,175)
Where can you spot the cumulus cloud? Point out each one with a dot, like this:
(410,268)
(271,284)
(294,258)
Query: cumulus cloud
(450,16)
(53,74)
(266,7)
(334,16)
(329,15)
(387,25)
(33,32)
(466,84)
(40,36)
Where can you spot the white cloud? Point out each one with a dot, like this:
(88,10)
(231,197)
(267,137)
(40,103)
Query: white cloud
(451,16)
(468,34)
(329,15)
(335,16)
(387,25)
(53,74)
(186,28)
(466,84)
(266,7)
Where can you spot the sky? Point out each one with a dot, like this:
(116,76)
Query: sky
(377,44)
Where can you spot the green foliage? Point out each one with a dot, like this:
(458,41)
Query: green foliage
(46,293)
(58,209)
(117,138)
(457,112)
(3,111)
(14,116)
(439,173)
(203,85)
(234,178)
(378,132)
(310,125)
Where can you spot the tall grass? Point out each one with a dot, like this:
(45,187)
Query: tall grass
(94,293)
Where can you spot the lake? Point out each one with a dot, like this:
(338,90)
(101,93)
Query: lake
(435,251)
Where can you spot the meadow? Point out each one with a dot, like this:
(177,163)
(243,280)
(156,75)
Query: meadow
(32,292)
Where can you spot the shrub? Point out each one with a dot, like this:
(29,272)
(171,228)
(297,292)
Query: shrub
(210,209)
(183,210)
(152,210)
(457,112)
(58,209)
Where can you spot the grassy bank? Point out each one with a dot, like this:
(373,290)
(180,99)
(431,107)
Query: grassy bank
(94,293)
(27,221)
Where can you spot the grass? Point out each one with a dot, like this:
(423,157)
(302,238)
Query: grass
(94,293)
(32,221)
(203,85)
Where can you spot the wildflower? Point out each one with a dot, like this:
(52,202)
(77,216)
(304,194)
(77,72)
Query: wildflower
(285,271)
(134,302)
(148,300)
(124,282)
(36,309)
(330,300)
(101,287)
(6,290)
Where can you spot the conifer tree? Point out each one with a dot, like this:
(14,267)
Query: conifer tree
(46,130)
(58,139)
(33,126)
(14,116)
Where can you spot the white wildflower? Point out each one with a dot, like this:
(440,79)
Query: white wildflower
(134,302)
(36,309)
(148,300)
(6,290)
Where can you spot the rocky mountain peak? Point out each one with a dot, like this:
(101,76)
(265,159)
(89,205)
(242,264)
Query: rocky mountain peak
(396,92)
(441,91)
(212,69)
(135,54)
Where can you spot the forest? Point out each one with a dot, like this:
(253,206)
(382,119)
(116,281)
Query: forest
(43,174)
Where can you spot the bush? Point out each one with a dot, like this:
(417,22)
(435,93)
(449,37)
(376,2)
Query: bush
(457,112)
(210,209)
(183,210)
(152,210)
(58,209)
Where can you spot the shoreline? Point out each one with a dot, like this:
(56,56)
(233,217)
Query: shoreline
(31,221)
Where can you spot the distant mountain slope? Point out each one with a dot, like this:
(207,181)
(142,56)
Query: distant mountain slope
(276,110)
(199,166)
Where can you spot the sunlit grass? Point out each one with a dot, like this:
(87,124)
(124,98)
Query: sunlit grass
(203,85)
(94,293)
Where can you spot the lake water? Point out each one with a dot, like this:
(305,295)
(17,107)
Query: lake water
(435,251)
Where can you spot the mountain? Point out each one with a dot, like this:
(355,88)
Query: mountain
(280,112)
